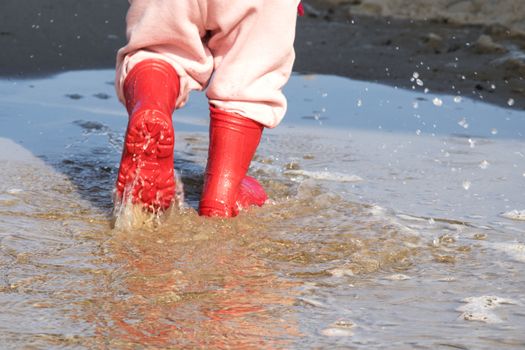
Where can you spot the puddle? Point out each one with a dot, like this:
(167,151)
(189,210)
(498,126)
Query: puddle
(394,222)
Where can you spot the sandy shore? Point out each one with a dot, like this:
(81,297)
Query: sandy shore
(450,52)
(459,54)
(508,13)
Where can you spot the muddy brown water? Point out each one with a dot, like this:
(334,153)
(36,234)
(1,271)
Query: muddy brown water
(383,230)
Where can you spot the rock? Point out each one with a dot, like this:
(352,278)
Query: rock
(434,42)
(463,7)
(368,7)
(485,45)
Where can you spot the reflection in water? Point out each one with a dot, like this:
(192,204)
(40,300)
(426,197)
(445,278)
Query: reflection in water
(191,283)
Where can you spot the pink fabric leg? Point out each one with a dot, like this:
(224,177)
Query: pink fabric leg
(250,49)
(254,58)
(168,30)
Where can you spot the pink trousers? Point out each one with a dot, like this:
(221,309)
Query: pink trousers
(240,51)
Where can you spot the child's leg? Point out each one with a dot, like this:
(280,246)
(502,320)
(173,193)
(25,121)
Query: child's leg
(167,30)
(163,60)
(252,44)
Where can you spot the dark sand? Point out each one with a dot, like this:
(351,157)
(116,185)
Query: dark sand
(41,37)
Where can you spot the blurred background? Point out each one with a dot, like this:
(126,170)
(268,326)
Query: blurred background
(468,47)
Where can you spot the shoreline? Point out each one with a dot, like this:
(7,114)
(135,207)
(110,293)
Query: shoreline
(480,62)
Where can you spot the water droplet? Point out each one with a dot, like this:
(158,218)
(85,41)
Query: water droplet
(415,75)
(426,90)
(457,99)
(510,102)
(466,184)
(463,123)
(415,105)
(419,82)
(494,131)
(359,103)
(484,164)
(472,143)
(437,102)
(418,132)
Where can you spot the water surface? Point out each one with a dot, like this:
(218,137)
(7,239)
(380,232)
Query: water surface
(394,222)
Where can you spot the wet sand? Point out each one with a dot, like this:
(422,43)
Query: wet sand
(483,60)
(508,13)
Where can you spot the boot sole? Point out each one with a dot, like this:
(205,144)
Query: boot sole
(146,173)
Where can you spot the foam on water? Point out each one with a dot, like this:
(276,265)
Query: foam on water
(515,250)
(514,214)
(482,308)
(324,175)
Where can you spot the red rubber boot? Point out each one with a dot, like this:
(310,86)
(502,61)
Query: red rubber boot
(146,170)
(233,141)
